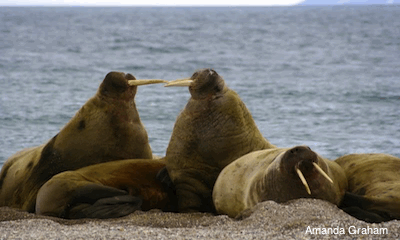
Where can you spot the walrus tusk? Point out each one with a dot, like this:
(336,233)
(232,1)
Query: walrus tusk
(185,82)
(139,82)
(322,172)
(303,180)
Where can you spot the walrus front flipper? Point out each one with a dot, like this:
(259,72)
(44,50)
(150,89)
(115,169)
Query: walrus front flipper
(363,215)
(112,207)
(165,179)
(357,205)
(98,201)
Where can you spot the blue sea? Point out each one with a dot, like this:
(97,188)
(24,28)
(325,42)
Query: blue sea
(327,77)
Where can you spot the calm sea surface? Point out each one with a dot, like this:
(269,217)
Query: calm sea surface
(326,77)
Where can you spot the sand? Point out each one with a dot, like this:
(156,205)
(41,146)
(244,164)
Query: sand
(298,219)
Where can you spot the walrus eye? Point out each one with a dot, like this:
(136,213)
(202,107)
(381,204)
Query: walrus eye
(217,88)
(129,76)
(194,76)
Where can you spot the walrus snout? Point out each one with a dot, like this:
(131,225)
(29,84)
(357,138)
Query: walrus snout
(205,83)
(299,156)
(123,86)
(114,84)
(303,162)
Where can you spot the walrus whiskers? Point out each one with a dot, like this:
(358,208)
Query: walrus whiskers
(303,180)
(322,172)
(185,82)
(139,82)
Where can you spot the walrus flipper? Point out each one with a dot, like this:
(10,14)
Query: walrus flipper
(112,207)
(97,201)
(363,215)
(357,205)
(165,179)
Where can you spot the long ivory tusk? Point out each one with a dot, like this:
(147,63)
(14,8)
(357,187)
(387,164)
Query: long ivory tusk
(303,180)
(139,82)
(186,82)
(322,172)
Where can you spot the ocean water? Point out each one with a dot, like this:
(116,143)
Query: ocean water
(327,77)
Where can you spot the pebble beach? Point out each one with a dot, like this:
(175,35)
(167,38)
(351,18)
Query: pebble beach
(297,219)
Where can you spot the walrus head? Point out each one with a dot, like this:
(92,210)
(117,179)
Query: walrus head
(123,86)
(203,84)
(300,166)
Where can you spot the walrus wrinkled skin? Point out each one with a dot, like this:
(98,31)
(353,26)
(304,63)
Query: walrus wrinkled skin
(214,128)
(272,175)
(106,190)
(374,186)
(106,128)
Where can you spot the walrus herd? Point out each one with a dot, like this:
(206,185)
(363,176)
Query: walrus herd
(100,164)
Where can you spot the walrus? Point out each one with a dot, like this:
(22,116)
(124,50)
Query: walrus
(213,129)
(280,175)
(106,190)
(374,186)
(106,128)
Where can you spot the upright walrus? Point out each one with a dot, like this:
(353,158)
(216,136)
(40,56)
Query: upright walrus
(106,128)
(214,128)
(279,174)
(106,190)
(374,186)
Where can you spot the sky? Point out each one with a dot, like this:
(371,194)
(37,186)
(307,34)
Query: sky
(147,2)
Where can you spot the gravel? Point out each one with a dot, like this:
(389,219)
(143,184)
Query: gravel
(298,219)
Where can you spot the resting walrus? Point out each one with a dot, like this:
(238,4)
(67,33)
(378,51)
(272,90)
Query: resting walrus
(106,128)
(106,190)
(214,128)
(279,174)
(374,186)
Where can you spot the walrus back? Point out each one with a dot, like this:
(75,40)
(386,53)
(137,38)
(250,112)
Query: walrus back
(14,173)
(374,181)
(234,190)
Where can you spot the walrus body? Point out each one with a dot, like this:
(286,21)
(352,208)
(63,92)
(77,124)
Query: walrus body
(374,186)
(272,174)
(106,128)
(106,190)
(214,128)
